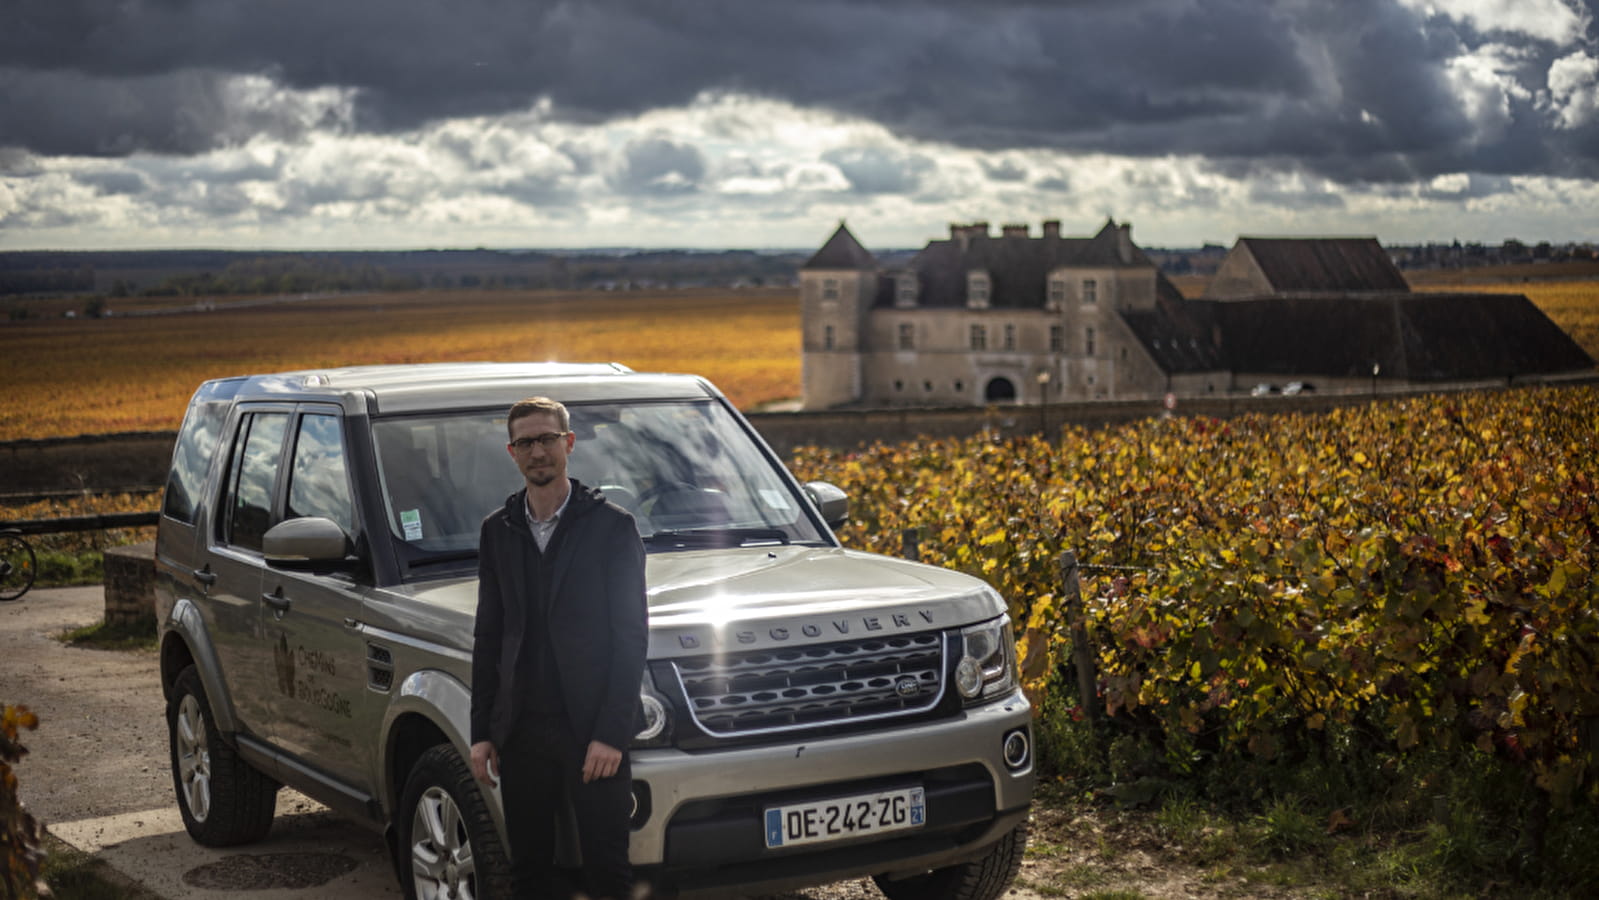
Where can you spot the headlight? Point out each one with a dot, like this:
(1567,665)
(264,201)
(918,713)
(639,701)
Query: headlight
(987,667)
(656,732)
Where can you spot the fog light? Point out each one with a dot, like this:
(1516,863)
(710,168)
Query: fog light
(969,677)
(1018,750)
(654,718)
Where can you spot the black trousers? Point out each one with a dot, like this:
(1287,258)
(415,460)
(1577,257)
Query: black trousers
(541,785)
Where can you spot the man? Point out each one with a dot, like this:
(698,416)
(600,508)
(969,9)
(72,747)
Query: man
(557,656)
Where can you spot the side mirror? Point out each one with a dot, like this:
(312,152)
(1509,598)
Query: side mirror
(830,501)
(298,543)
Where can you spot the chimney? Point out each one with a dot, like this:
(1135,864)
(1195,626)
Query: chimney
(1013,231)
(961,235)
(1052,228)
(1124,242)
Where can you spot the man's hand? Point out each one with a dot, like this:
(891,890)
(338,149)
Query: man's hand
(602,761)
(486,762)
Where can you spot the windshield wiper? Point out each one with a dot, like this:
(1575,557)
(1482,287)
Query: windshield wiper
(716,537)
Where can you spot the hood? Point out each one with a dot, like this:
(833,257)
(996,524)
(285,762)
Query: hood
(756,597)
(764,597)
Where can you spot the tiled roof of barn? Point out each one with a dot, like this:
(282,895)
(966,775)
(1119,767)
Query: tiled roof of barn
(1325,264)
(1175,337)
(1018,266)
(842,251)
(1419,337)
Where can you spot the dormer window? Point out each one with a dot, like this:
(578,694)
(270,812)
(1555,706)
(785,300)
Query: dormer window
(906,290)
(977,288)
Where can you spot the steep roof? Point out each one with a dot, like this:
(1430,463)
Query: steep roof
(842,251)
(1418,337)
(1324,264)
(1018,265)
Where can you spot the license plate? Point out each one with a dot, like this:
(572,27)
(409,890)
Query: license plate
(845,817)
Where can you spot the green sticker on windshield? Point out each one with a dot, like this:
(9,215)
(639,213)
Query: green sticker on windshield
(411,522)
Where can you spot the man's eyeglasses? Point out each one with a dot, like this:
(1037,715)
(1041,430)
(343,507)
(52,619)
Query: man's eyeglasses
(545,440)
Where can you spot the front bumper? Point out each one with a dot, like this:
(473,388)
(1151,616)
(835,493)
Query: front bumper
(703,830)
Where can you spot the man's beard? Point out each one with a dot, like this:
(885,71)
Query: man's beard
(541,477)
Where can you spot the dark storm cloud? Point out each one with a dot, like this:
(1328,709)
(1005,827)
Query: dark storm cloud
(1357,90)
(876,170)
(659,166)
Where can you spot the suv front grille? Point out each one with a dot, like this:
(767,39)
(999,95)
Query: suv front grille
(759,691)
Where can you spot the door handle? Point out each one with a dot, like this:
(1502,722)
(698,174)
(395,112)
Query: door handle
(276,600)
(204,577)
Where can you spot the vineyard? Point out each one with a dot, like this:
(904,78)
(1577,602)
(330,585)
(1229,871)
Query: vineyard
(1412,577)
(76,376)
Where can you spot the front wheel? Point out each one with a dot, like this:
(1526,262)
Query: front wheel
(18,566)
(447,833)
(223,800)
(984,878)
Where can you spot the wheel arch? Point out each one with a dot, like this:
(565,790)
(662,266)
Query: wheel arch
(185,642)
(430,708)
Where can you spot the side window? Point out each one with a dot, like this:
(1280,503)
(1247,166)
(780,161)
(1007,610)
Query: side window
(318,484)
(254,470)
(191,458)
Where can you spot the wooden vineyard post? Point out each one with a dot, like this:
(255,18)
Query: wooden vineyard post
(1082,654)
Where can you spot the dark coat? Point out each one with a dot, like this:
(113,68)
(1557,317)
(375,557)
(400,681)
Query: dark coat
(598,619)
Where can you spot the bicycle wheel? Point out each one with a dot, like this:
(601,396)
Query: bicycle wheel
(18,565)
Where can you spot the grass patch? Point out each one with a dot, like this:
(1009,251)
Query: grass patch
(139,635)
(68,569)
(72,874)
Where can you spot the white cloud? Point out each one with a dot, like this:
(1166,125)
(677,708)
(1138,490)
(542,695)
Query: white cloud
(1574,89)
(736,171)
(1484,82)
(1561,22)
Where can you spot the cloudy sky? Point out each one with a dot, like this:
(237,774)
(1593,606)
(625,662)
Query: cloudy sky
(324,124)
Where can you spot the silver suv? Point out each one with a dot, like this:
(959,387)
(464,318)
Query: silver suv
(814,713)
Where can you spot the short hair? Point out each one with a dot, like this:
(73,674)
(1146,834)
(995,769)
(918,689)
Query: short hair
(524,408)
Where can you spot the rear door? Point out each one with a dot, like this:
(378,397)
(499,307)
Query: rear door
(234,606)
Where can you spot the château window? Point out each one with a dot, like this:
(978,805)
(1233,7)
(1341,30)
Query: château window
(907,336)
(1057,339)
(1090,291)
(977,290)
(827,338)
(979,337)
(1088,342)
(1057,293)
(1010,337)
(830,289)
(905,290)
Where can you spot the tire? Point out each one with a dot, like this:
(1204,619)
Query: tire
(224,801)
(448,843)
(18,566)
(984,878)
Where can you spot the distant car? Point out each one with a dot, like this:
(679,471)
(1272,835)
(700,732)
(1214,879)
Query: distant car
(1262,390)
(1298,387)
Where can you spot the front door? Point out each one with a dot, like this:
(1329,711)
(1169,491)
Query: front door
(322,705)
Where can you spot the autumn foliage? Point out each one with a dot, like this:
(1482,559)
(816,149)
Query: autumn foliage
(1416,575)
(20,833)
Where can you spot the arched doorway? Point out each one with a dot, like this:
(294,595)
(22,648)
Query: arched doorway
(1000,390)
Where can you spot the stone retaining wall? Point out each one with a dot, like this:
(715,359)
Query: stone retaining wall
(130,583)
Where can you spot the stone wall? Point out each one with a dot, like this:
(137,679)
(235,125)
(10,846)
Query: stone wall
(130,583)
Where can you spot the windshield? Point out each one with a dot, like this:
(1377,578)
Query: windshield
(687,472)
